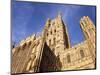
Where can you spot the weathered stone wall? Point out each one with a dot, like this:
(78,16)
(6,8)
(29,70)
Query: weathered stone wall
(79,57)
(25,57)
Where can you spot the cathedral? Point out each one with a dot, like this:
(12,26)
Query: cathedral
(52,52)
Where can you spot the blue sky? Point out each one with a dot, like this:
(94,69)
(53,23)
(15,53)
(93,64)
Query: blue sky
(30,17)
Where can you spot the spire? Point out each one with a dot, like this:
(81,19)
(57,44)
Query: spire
(59,15)
(48,21)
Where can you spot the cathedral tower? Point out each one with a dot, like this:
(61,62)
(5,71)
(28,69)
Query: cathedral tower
(57,37)
(89,32)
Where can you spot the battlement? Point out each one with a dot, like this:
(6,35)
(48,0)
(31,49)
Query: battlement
(28,39)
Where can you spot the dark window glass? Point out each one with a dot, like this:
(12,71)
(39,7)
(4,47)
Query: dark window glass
(24,46)
(48,25)
(68,59)
(82,53)
(47,34)
(51,32)
(29,43)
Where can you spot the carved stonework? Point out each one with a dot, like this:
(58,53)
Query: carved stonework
(51,51)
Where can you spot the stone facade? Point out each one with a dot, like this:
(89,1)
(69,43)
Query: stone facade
(51,51)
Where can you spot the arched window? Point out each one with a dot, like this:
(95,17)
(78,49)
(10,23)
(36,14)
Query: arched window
(49,42)
(51,32)
(55,30)
(68,58)
(83,24)
(82,53)
(24,46)
(47,34)
(54,40)
(48,25)
(87,36)
(29,44)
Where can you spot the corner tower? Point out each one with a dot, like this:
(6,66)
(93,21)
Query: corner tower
(89,32)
